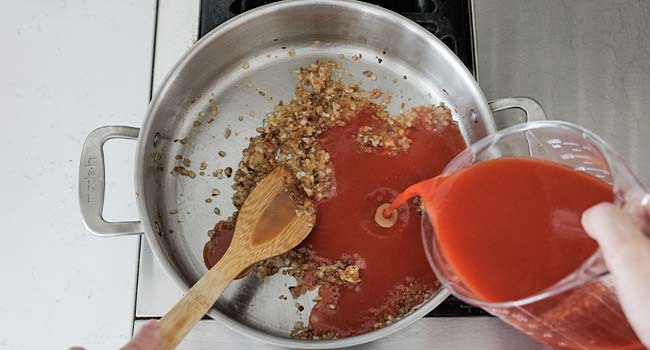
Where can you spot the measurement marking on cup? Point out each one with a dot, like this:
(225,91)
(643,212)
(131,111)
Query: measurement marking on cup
(598,170)
(568,156)
(593,170)
(555,143)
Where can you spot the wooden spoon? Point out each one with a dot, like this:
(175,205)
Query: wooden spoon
(269,223)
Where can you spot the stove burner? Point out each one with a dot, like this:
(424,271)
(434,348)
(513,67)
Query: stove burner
(449,20)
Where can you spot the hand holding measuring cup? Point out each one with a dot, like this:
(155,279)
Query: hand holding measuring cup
(577,308)
(625,242)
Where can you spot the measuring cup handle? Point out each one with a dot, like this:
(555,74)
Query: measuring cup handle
(637,202)
(531,108)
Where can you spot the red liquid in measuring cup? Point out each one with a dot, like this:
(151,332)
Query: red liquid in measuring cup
(510,228)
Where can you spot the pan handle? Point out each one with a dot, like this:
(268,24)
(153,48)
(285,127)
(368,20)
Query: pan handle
(92,182)
(531,108)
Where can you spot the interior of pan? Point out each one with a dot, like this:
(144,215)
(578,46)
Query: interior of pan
(244,68)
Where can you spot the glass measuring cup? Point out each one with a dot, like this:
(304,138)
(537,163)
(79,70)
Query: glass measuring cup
(581,311)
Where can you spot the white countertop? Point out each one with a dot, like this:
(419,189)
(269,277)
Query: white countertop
(67,68)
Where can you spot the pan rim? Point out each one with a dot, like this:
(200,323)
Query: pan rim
(186,59)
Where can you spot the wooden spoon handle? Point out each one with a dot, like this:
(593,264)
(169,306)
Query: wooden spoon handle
(175,325)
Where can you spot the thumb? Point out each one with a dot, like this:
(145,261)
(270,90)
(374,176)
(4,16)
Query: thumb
(626,250)
(614,229)
(147,338)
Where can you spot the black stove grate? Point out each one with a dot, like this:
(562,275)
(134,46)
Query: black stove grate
(449,20)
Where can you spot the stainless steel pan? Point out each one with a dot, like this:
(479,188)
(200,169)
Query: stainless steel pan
(232,64)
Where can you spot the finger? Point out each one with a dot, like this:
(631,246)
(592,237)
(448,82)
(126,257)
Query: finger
(619,237)
(147,338)
(612,227)
(627,254)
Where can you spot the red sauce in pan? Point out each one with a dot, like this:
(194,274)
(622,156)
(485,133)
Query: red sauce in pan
(394,269)
(346,226)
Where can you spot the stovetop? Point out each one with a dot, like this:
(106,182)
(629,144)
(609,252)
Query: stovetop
(178,26)
(510,35)
(449,20)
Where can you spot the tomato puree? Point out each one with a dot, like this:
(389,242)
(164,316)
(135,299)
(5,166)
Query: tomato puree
(394,272)
(510,228)
(392,258)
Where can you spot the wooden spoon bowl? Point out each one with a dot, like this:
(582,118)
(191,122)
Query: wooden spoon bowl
(270,223)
